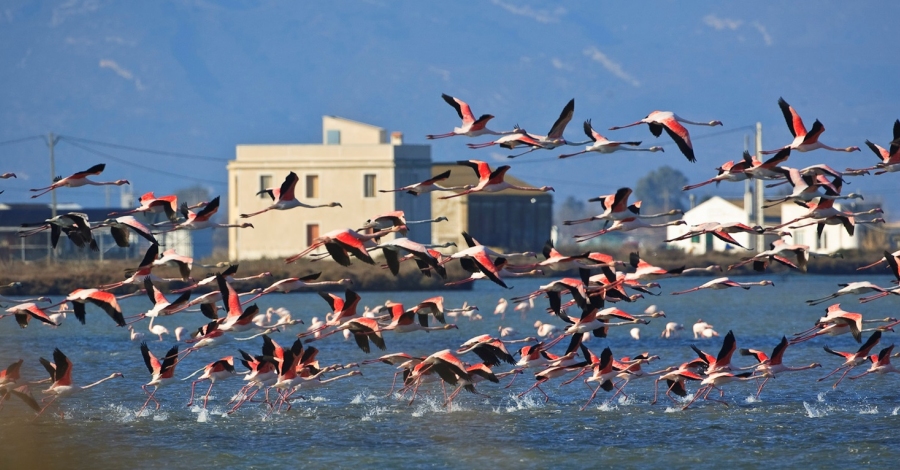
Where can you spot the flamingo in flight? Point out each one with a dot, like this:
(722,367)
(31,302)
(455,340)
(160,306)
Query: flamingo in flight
(60,371)
(803,141)
(722,231)
(102,299)
(852,360)
(491,181)
(554,138)
(729,171)
(881,363)
(615,207)
(603,145)
(152,204)
(471,127)
(284,197)
(214,371)
(427,186)
(671,122)
(79,179)
(120,226)
(343,241)
(74,224)
(890,158)
(24,312)
(769,367)
(725,283)
(201,220)
(161,373)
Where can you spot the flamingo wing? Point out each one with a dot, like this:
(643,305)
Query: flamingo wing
(64,367)
(794,123)
(682,138)
(208,210)
(462,109)
(287,188)
(562,121)
(150,360)
(814,133)
(778,352)
(94,170)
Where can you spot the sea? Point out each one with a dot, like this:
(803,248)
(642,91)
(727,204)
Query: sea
(354,423)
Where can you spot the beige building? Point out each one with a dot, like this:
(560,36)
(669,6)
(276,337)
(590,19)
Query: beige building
(352,163)
(513,220)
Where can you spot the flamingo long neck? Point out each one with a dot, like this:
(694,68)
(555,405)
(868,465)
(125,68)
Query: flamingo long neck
(99,382)
(436,219)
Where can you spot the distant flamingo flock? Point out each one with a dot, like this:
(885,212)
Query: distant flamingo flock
(578,308)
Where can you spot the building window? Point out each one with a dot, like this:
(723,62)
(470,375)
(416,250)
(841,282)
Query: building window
(312,232)
(333,137)
(265,182)
(312,186)
(695,239)
(369,186)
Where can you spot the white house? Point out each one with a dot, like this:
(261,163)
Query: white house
(834,237)
(716,209)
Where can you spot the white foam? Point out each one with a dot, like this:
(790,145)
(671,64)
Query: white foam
(894,413)
(669,409)
(869,410)
(821,396)
(752,399)
(160,416)
(813,412)
(375,411)
(516,403)
(607,406)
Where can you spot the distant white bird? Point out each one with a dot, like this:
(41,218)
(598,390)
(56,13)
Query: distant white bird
(500,309)
(672,330)
(546,330)
(179,334)
(507,331)
(134,335)
(157,330)
(709,333)
(636,333)
(699,326)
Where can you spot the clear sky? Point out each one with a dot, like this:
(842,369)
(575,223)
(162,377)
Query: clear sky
(199,77)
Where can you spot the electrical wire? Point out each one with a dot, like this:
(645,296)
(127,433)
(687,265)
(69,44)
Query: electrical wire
(138,149)
(143,167)
(23,139)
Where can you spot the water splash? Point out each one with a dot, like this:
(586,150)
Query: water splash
(821,396)
(813,412)
(894,413)
(161,417)
(516,403)
(869,410)
(121,414)
(202,415)
(430,404)
(374,412)
(752,399)
(607,406)
(669,409)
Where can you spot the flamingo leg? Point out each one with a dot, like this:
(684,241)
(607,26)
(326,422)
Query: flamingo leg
(594,394)
(842,377)
(758,391)
(831,373)
(696,396)
(193,384)
(149,397)
(46,406)
(206,398)
(532,388)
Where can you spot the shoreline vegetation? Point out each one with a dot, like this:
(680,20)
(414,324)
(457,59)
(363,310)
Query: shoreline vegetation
(63,277)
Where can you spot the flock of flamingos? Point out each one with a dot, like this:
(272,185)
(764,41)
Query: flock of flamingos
(283,372)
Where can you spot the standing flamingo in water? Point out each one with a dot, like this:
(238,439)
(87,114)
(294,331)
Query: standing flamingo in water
(671,122)
(803,141)
(79,179)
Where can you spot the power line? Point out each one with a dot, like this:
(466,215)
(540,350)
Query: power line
(23,139)
(152,151)
(143,167)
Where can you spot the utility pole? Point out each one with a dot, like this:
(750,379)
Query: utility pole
(760,199)
(749,199)
(51,143)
